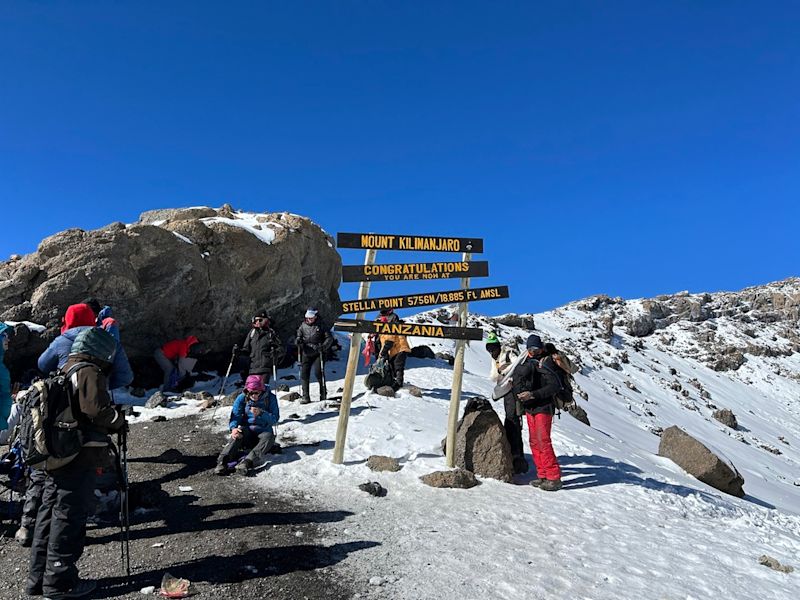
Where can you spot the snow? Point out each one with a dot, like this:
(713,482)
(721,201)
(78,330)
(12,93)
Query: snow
(32,326)
(628,523)
(248,222)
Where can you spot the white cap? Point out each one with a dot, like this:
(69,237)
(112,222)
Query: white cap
(311,313)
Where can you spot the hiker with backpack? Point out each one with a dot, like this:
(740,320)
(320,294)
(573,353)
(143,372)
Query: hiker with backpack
(535,387)
(82,402)
(77,319)
(313,340)
(173,358)
(503,357)
(263,348)
(253,415)
(394,349)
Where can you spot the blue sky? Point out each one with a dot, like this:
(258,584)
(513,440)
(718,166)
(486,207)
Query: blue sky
(628,148)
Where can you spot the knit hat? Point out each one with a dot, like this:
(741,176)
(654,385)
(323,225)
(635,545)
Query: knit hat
(492,339)
(534,342)
(254,383)
(78,315)
(311,313)
(95,342)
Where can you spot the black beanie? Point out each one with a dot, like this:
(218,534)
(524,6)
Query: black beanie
(534,342)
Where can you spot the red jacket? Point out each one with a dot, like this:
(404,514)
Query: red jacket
(78,315)
(178,348)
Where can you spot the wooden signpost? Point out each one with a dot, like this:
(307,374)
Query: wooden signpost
(411,272)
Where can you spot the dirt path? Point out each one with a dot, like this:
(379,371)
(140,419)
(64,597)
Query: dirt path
(226,535)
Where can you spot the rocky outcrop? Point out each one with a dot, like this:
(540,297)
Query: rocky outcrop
(726,417)
(700,462)
(199,271)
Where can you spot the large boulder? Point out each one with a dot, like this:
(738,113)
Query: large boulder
(456,478)
(199,271)
(700,462)
(481,443)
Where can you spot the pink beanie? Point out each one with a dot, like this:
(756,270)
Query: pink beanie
(254,383)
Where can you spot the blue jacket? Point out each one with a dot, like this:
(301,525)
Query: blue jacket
(5,386)
(57,354)
(241,415)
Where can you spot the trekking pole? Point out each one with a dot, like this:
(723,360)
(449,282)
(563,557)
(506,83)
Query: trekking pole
(124,507)
(322,369)
(225,380)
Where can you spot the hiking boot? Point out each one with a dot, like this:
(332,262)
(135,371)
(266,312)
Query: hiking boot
(221,469)
(550,485)
(520,465)
(33,589)
(245,467)
(537,482)
(24,537)
(304,400)
(79,590)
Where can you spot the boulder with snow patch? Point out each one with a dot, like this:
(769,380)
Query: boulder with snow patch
(156,400)
(641,326)
(161,272)
(700,462)
(456,478)
(522,321)
(481,443)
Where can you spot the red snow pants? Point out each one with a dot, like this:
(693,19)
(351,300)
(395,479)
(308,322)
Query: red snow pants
(544,458)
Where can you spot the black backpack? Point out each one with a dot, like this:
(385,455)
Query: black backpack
(50,421)
(564,400)
(380,374)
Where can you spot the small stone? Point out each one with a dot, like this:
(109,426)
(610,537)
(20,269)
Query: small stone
(726,417)
(158,419)
(456,478)
(156,400)
(282,388)
(373,488)
(385,390)
(290,397)
(383,463)
(414,391)
(773,564)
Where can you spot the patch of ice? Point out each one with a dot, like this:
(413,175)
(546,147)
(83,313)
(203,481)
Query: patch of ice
(183,238)
(248,222)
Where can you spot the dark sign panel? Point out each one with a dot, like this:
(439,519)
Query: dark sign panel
(418,243)
(415,271)
(427,299)
(416,329)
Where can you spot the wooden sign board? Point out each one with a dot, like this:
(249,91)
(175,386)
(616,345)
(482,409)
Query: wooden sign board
(415,271)
(426,299)
(432,330)
(417,243)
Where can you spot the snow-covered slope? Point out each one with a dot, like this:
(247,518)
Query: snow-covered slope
(628,523)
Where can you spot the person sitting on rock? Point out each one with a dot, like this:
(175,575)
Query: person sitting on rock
(394,349)
(313,340)
(535,388)
(173,358)
(503,356)
(254,413)
(263,347)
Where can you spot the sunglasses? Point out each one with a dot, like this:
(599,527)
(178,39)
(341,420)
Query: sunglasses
(252,393)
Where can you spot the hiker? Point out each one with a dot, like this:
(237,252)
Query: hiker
(503,356)
(78,318)
(60,531)
(174,357)
(394,349)
(535,388)
(254,413)
(5,380)
(263,347)
(313,340)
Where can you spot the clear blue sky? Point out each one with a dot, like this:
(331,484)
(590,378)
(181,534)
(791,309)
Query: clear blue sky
(628,148)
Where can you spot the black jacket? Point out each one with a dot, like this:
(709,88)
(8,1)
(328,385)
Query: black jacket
(262,346)
(542,385)
(313,338)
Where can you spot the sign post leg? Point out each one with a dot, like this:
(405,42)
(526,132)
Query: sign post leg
(458,376)
(350,374)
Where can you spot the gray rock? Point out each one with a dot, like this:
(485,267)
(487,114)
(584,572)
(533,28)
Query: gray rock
(156,400)
(700,462)
(774,564)
(385,390)
(481,443)
(457,478)
(641,326)
(726,417)
(422,351)
(291,397)
(373,488)
(158,419)
(523,321)
(579,413)
(282,388)
(383,463)
(414,391)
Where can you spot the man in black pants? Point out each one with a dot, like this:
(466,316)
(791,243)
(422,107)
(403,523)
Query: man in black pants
(313,340)
(263,347)
(60,532)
